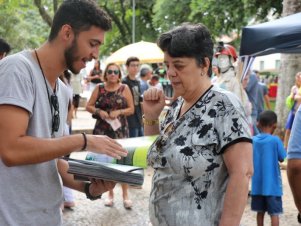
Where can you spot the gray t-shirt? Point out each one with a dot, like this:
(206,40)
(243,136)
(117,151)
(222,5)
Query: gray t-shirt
(191,177)
(31,194)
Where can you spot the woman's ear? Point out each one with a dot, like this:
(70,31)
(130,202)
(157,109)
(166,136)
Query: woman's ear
(206,65)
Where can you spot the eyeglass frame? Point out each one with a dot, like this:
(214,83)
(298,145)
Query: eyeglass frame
(134,65)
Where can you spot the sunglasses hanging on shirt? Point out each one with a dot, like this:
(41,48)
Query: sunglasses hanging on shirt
(56,114)
(53,102)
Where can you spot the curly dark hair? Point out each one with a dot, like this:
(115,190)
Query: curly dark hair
(4,46)
(80,15)
(188,40)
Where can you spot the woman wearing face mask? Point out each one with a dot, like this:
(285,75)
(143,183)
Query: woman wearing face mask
(110,103)
(226,56)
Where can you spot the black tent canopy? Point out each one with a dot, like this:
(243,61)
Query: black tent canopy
(279,36)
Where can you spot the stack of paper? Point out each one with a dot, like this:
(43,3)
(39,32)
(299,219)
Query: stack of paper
(85,169)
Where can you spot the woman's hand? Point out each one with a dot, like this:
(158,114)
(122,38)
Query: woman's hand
(103,114)
(153,103)
(114,114)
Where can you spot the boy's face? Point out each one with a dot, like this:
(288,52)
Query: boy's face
(133,67)
(83,48)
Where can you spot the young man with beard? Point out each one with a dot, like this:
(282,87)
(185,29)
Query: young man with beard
(33,111)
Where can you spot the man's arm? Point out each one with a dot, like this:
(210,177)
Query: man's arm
(238,160)
(17,148)
(294,178)
(267,101)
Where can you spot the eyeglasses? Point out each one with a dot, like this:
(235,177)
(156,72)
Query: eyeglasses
(56,116)
(116,72)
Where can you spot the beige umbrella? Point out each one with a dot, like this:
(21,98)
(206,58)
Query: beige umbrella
(147,52)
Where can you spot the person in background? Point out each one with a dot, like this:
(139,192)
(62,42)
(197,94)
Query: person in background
(268,151)
(110,103)
(225,57)
(295,97)
(215,74)
(95,75)
(33,114)
(294,162)
(145,75)
(201,167)
(252,91)
(4,48)
(160,71)
(263,95)
(154,82)
(66,79)
(76,84)
(134,120)
(246,103)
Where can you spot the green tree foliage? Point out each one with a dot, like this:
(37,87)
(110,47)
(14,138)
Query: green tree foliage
(121,13)
(26,23)
(20,26)
(223,17)
(170,13)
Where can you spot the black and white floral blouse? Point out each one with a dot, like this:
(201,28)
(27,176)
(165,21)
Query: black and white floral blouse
(190,176)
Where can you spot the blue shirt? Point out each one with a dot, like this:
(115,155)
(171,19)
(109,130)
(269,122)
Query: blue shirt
(262,91)
(294,144)
(143,86)
(267,151)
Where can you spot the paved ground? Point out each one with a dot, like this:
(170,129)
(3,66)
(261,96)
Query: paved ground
(94,213)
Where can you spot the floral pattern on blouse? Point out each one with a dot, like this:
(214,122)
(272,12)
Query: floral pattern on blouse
(190,176)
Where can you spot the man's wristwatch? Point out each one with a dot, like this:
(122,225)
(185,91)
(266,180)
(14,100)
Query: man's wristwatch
(87,191)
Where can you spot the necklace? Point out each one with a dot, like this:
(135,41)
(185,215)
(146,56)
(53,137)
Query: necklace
(53,101)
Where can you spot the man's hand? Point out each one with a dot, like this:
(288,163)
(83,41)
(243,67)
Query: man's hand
(99,187)
(105,145)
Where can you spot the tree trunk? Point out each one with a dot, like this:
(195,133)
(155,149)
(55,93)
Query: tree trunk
(290,65)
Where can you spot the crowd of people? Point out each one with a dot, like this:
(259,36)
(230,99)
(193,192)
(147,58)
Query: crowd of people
(202,169)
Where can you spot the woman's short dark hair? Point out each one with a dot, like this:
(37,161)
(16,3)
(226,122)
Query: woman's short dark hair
(188,40)
(80,15)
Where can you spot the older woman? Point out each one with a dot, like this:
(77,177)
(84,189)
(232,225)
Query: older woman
(110,103)
(203,154)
